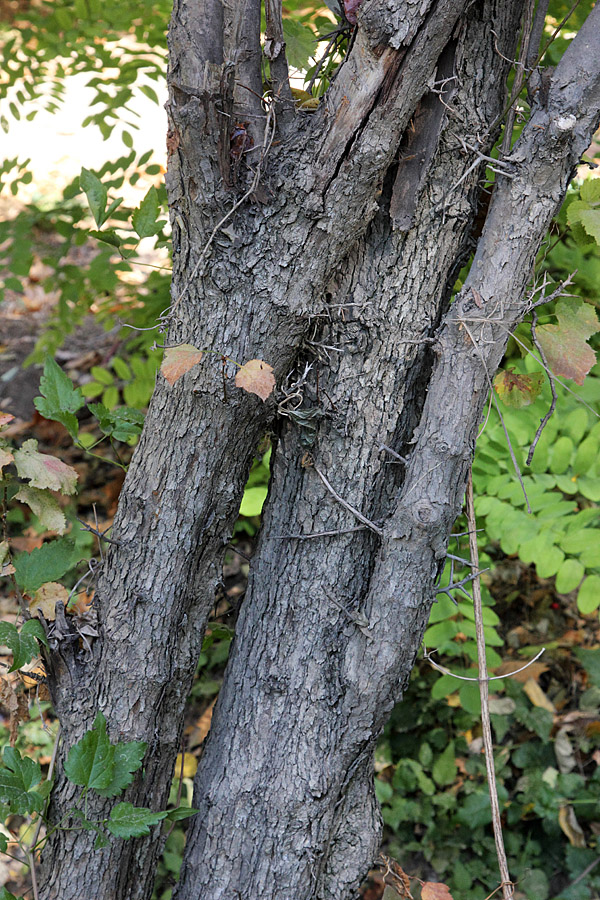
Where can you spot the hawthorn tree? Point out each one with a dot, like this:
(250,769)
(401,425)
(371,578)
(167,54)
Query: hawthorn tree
(325,243)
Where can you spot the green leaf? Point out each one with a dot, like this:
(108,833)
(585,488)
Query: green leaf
(181,812)
(122,423)
(108,236)
(121,368)
(4,894)
(22,642)
(590,219)
(569,576)
(128,821)
(144,218)
(59,400)
(299,43)
(102,375)
(127,760)
(90,762)
(588,598)
(590,660)
(18,776)
(253,501)
(590,190)
(96,194)
(444,768)
(46,563)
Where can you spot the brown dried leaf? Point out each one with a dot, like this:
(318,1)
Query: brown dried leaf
(533,671)
(179,360)
(570,826)
(15,704)
(45,599)
(256,377)
(435,890)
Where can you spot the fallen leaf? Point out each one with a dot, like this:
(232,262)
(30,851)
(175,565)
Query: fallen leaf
(570,826)
(256,377)
(435,890)
(537,696)
(532,671)
(565,345)
(45,599)
(518,390)
(179,360)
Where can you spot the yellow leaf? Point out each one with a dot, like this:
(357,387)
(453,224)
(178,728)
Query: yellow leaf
(537,696)
(571,827)
(190,764)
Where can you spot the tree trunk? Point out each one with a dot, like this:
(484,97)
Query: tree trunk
(342,258)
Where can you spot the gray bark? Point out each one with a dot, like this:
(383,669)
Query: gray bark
(323,231)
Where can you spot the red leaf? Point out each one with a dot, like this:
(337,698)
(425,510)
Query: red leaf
(256,377)
(179,360)
(565,345)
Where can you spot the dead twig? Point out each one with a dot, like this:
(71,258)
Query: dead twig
(317,534)
(548,415)
(346,505)
(507,887)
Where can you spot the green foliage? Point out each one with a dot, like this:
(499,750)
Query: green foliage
(19,778)
(49,562)
(134,380)
(96,763)
(434,797)
(561,536)
(22,642)
(128,821)
(255,494)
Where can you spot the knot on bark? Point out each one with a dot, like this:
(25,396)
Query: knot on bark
(425,513)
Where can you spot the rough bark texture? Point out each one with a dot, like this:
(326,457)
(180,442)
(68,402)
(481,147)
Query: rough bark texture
(285,784)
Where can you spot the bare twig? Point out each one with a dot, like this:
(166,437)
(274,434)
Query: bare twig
(507,886)
(401,459)
(318,534)
(519,76)
(499,411)
(546,418)
(346,505)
